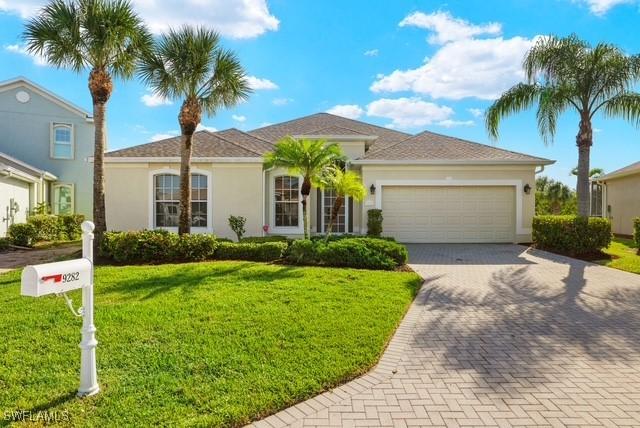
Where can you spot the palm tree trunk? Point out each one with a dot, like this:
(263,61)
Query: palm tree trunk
(100,87)
(189,118)
(584,140)
(184,223)
(337,204)
(305,190)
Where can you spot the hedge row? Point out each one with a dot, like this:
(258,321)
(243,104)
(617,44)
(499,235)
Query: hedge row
(570,234)
(45,227)
(159,246)
(367,253)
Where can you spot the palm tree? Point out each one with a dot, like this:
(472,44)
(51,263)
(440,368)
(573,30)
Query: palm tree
(308,158)
(567,73)
(344,184)
(104,36)
(558,194)
(190,65)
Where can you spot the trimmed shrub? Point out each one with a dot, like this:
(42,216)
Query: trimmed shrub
(364,253)
(147,246)
(340,237)
(196,248)
(571,235)
(269,238)
(5,243)
(636,232)
(374,222)
(70,226)
(258,252)
(48,227)
(22,234)
(236,223)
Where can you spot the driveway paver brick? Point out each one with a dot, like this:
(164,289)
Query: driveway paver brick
(499,335)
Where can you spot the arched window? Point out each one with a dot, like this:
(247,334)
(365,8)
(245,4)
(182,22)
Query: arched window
(167,200)
(61,141)
(287,201)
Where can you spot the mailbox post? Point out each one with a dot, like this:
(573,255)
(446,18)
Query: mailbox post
(60,277)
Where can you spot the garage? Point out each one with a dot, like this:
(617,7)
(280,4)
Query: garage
(449,214)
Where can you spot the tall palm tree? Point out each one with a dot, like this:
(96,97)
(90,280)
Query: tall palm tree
(103,36)
(567,73)
(189,64)
(308,158)
(344,184)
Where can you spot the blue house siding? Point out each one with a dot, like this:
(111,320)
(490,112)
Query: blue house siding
(26,135)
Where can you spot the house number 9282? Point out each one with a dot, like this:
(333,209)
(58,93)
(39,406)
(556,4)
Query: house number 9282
(69,277)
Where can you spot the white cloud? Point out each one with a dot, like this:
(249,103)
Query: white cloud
(164,135)
(281,101)
(409,112)
(202,127)
(476,112)
(446,28)
(238,118)
(258,84)
(22,50)
(351,111)
(263,124)
(450,123)
(480,68)
(237,19)
(601,7)
(155,100)
(371,52)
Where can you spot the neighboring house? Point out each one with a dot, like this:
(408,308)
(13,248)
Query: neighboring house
(22,187)
(617,196)
(430,187)
(51,134)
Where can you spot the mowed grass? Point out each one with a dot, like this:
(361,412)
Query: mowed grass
(624,255)
(203,344)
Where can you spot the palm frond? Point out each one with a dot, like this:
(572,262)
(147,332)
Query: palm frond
(625,105)
(554,58)
(520,97)
(228,85)
(345,183)
(552,102)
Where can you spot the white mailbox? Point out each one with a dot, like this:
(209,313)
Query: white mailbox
(54,278)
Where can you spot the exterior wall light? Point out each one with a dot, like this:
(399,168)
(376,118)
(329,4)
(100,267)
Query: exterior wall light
(527,188)
(372,189)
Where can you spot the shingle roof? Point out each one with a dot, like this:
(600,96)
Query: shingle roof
(309,125)
(634,168)
(431,146)
(227,143)
(337,130)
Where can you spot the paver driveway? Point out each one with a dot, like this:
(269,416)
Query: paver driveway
(500,336)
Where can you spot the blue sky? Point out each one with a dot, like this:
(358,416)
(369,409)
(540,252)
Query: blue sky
(410,65)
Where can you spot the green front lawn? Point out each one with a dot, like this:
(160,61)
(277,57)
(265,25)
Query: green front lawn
(623,254)
(204,344)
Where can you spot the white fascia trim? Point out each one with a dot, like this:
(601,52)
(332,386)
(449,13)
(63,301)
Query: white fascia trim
(176,171)
(22,81)
(449,162)
(177,160)
(615,175)
(38,173)
(515,183)
(337,137)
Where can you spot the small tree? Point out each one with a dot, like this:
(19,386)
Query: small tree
(308,158)
(236,223)
(344,184)
(374,222)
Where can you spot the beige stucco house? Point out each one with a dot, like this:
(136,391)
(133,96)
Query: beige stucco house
(430,187)
(617,196)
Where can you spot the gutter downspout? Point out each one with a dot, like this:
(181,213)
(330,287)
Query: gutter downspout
(539,171)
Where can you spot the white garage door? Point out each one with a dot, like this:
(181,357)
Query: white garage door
(449,214)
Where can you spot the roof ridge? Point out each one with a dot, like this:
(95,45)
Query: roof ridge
(341,127)
(236,144)
(246,133)
(389,146)
(366,123)
(286,121)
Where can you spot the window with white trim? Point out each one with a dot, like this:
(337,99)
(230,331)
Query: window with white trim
(287,201)
(167,200)
(61,141)
(63,199)
(328,201)
(596,200)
